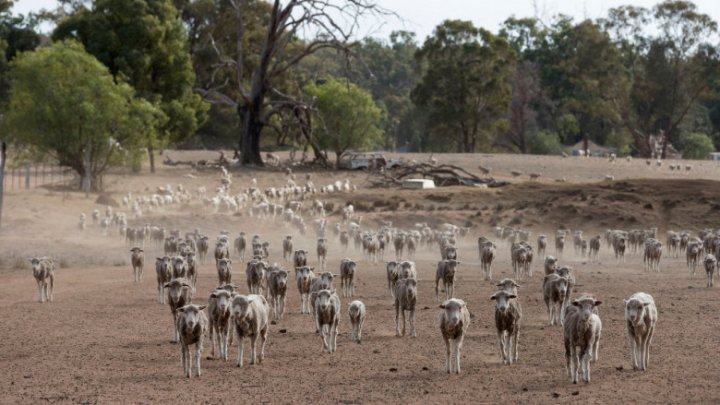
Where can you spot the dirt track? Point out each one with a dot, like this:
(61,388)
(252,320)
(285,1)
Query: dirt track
(106,340)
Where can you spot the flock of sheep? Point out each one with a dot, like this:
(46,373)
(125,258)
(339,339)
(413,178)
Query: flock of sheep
(229,315)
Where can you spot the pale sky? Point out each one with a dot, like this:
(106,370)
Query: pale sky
(421,16)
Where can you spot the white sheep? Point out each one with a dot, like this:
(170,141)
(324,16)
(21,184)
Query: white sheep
(179,295)
(163,269)
(356,313)
(507,322)
(347,277)
(327,314)
(192,324)
(446,270)
(405,300)
(250,314)
(582,329)
(641,316)
(454,321)
(554,293)
(304,277)
(710,263)
(277,285)
(44,272)
(138,262)
(219,312)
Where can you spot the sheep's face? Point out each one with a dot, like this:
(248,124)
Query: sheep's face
(222,299)
(257,269)
(326,280)
(586,306)
(411,287)
(299,257)
(323,299)
(302,274)
(550,262)
(176,289)
(507,285)
(453,312)
(281,277)
(224,265)
(502,300)
(354,310)
(451,267)
(350,266)
(191,314)
(179,265)
(392,267)
(241,307)
(561,287)
(635,311)
(564,272)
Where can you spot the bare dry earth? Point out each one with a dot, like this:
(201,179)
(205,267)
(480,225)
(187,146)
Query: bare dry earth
(106,340)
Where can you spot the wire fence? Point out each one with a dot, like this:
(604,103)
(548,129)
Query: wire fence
(31,175)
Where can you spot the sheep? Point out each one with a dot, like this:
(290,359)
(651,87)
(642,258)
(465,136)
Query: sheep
(641,316)
(484,170)
(521,257)
(344,240)
(566,272)
(582,328)
(163,269)
(710,263)
(652,254)
(240,245)
(327,314)
(619,248)
(454,320)
(392,276)
(594,251)
(255,275)
(81,221)
(191,324)
(694,249)
(137,259)
(405,300)
(178,296)
(202,247)
(407,270)
(219,312)
(516,173)
(287,247)
(300,258)
(559,244)
(541,245)
(347,277)
(277,286)
(192,271)
(550,264)
(535,176)
(44,272)
(250,314)
(224,271)
(508,314)
(446,270)
(322,252)
(322,282)
(448,252)
(179,269)
(554,293)
(487,254)
(304,277)
(221,251)
(356,313)
(399,243)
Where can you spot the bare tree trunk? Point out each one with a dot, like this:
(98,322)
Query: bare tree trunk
(3,156)
(151,155)
(250,137)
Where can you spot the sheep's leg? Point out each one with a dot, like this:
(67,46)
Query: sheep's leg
(239,362)
(325,348)
(447,354)
(263,340)
(458,347)
(575,365)
(359,330)
(253,348)
(413,332)
(185,361)
(198,354)
(595,355)
(586,365)
(40,293)
(648,340)
(397,320)
(501,338)
(436,289)
(213,340)
(516,338)
(281,301)
(333,337)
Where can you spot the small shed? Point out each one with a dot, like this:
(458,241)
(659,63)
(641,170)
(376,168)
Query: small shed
(595,149)
(715,156)
(418,183)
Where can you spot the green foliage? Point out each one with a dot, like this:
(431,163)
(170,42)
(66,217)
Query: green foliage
(466,85)
(143,43)
(622,140)
(544,143)
(696,145)
(349,118)
(83,116)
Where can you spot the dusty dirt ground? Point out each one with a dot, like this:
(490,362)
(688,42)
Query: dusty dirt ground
(106,340)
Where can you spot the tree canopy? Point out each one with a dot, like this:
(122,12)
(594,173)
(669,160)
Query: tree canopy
(348,116)
(85,120)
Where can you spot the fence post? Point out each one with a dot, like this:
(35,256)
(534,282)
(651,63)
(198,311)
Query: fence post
(27,176)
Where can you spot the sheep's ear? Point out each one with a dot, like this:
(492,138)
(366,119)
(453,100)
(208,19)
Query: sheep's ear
(142,250)
(494,296)
(597,303)
(229,261)
(511,296)
(516,284)
(576,303)
(645,304)
(201,307)
(498,285)
(625,302)
(166,285)
(443,305)
(213,295)
(181,309)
